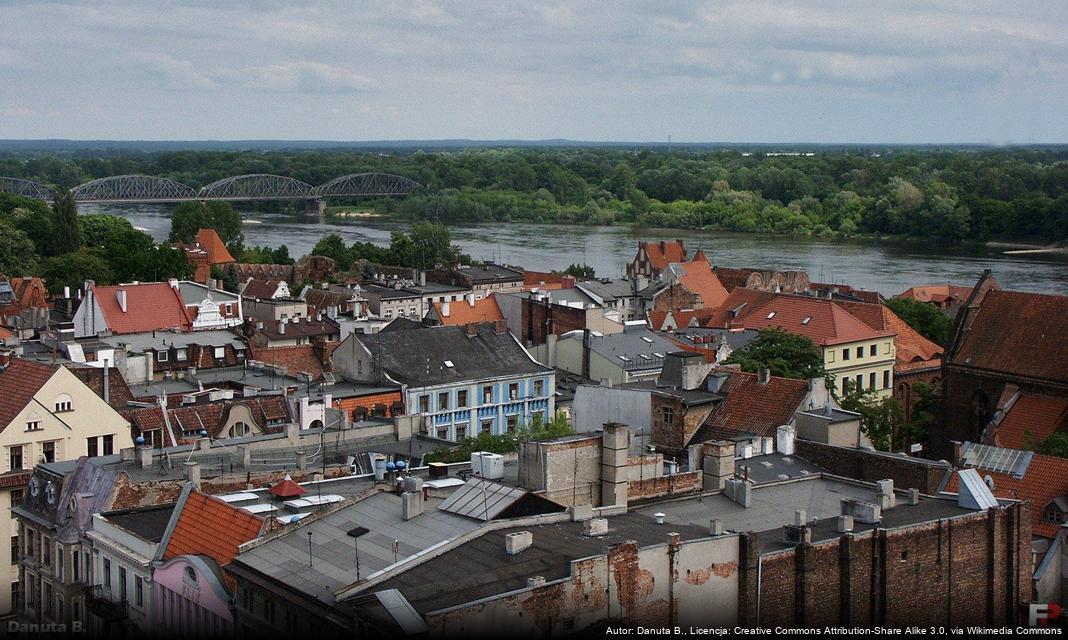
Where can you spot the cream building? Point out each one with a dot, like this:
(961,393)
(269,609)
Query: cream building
(46,415)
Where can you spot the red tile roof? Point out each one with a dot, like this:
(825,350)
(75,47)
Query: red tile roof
(5,333)
(1036,415)
(1019,334)
(1046,478)
(753,407)
(700,279)
(208,526)
(212,416)
(913,351)
(296,359)
(150,306)
(736,307)
(663,253)
(286,488)
(827,323)
(30,293)
(212,244)
(937,293)
(19,382)
(260,288)
(462,312)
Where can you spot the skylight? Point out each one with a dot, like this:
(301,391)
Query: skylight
(771,315)
(449,364)
(624,358)
(659,355)
(647,339)
(807,320)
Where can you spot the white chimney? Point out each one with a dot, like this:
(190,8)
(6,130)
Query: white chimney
(471,299)
(282,326)
(66,292)
(784,436)
(121,295)
(444,309)
(173,282)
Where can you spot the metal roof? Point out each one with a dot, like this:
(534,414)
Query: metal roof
(1009,461)
(481,499)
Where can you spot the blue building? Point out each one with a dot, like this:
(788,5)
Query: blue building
(463,380)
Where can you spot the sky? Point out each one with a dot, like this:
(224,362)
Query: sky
(923,71)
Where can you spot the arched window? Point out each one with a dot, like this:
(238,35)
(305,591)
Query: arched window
(63,403)
(191,575)
(240,429)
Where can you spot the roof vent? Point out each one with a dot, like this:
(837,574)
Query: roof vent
(518,542)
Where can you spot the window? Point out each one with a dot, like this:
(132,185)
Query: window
(539,388)
(845,354)
(443,401)
(487,426)
(1053,514)
(107,572)
(46,599)
(461,431)
(162,356)
(268,607)
(443,433)
(424,404)
(246,599)
(75,565)
(60,564)
(860,382)
(873,350)
(845,385)
(15,454)
(181,354)
(15,549)
(109,445)
(513,391)
(886,378)
(512,422)
(860,352)
(871,380)
(122,584)
(14,596)
(461,399)
(33,425)
(220,353)
(669,415)
(46,551)
(487,394)
(91,449)
(16,496)
(63,403)
(48,451)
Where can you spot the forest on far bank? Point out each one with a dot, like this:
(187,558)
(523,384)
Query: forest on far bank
(969,194)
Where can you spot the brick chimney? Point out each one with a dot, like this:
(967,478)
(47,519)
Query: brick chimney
(472,329)
(500,327)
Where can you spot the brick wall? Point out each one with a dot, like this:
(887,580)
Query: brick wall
(678,484)
(539,319)
(974,569)
(870,466)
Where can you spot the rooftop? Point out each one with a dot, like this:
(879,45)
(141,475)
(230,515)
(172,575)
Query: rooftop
(147,523)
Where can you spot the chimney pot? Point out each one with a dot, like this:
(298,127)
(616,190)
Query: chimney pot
(659,517)
(516,543)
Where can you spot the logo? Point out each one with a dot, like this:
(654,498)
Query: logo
(1040,614)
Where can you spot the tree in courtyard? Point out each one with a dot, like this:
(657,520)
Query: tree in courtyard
(927,319)
(787,355)
(74,268)
(17,253)
(918,427)
(580,271)
(880,418)
(68,233)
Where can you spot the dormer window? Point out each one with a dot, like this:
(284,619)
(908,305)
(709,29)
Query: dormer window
(1056,511)
(162,356)
(180,355)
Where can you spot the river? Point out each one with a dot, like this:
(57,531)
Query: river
(889,266)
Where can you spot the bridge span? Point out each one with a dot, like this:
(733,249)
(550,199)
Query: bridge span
(246,188)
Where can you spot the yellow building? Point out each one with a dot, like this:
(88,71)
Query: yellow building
(852,350)
(46,415)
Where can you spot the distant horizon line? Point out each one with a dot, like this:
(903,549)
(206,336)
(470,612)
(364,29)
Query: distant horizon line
(530,142)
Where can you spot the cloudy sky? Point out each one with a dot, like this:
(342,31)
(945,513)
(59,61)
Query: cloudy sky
(821,71)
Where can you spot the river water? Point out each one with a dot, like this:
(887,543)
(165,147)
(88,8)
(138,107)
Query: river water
(889,267)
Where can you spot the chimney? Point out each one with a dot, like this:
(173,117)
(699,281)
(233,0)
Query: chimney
(121,296)
(595,527)
(412,498)
(471,299)
(422,278)
(66,292)
(282,327)
(444,309)
(764,375)
(106,385)
(500,327)
(715,527)
(472,329)
(192,473)
(516,543)
(173,282)
(5,358)
(784,440)
(884,494)
(615,444)
(717,465)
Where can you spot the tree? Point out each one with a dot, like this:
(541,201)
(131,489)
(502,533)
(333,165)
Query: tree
(787,355)
(68,233)
(17,253)
(918,427)
(190,217)
(1056,444)
(581,271)
(333,247)
(880,418)
(927,319)
(74,268)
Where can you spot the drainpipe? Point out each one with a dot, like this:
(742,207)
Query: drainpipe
(760,570)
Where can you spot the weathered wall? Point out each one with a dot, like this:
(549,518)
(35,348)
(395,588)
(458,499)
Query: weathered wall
(594,405)
(871,466)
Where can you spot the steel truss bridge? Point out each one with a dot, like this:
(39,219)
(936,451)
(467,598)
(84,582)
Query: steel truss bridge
(252,187)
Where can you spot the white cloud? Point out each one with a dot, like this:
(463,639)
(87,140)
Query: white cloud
(306,77)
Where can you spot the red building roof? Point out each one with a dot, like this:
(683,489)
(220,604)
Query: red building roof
(287,488)
(1046,478)
(698,278)
(663,253)
(20,380)
(212,244)
(824,322)
(150,306)
(736,307)
(937,293)
(1030,420)
(462,312)
(305,358)
(753,407)
(1019,334)
(912,351)
(210,527)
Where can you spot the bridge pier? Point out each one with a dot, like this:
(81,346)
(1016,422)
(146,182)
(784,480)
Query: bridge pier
(315,207)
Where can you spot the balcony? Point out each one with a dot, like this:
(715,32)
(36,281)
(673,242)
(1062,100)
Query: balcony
(104,604)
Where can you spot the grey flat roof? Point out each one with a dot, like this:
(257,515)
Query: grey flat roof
(193,293)
(632,344)
(147,523)
(142,341)
(285,558)
(614,288)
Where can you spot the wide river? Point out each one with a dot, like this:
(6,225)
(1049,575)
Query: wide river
(886,266)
